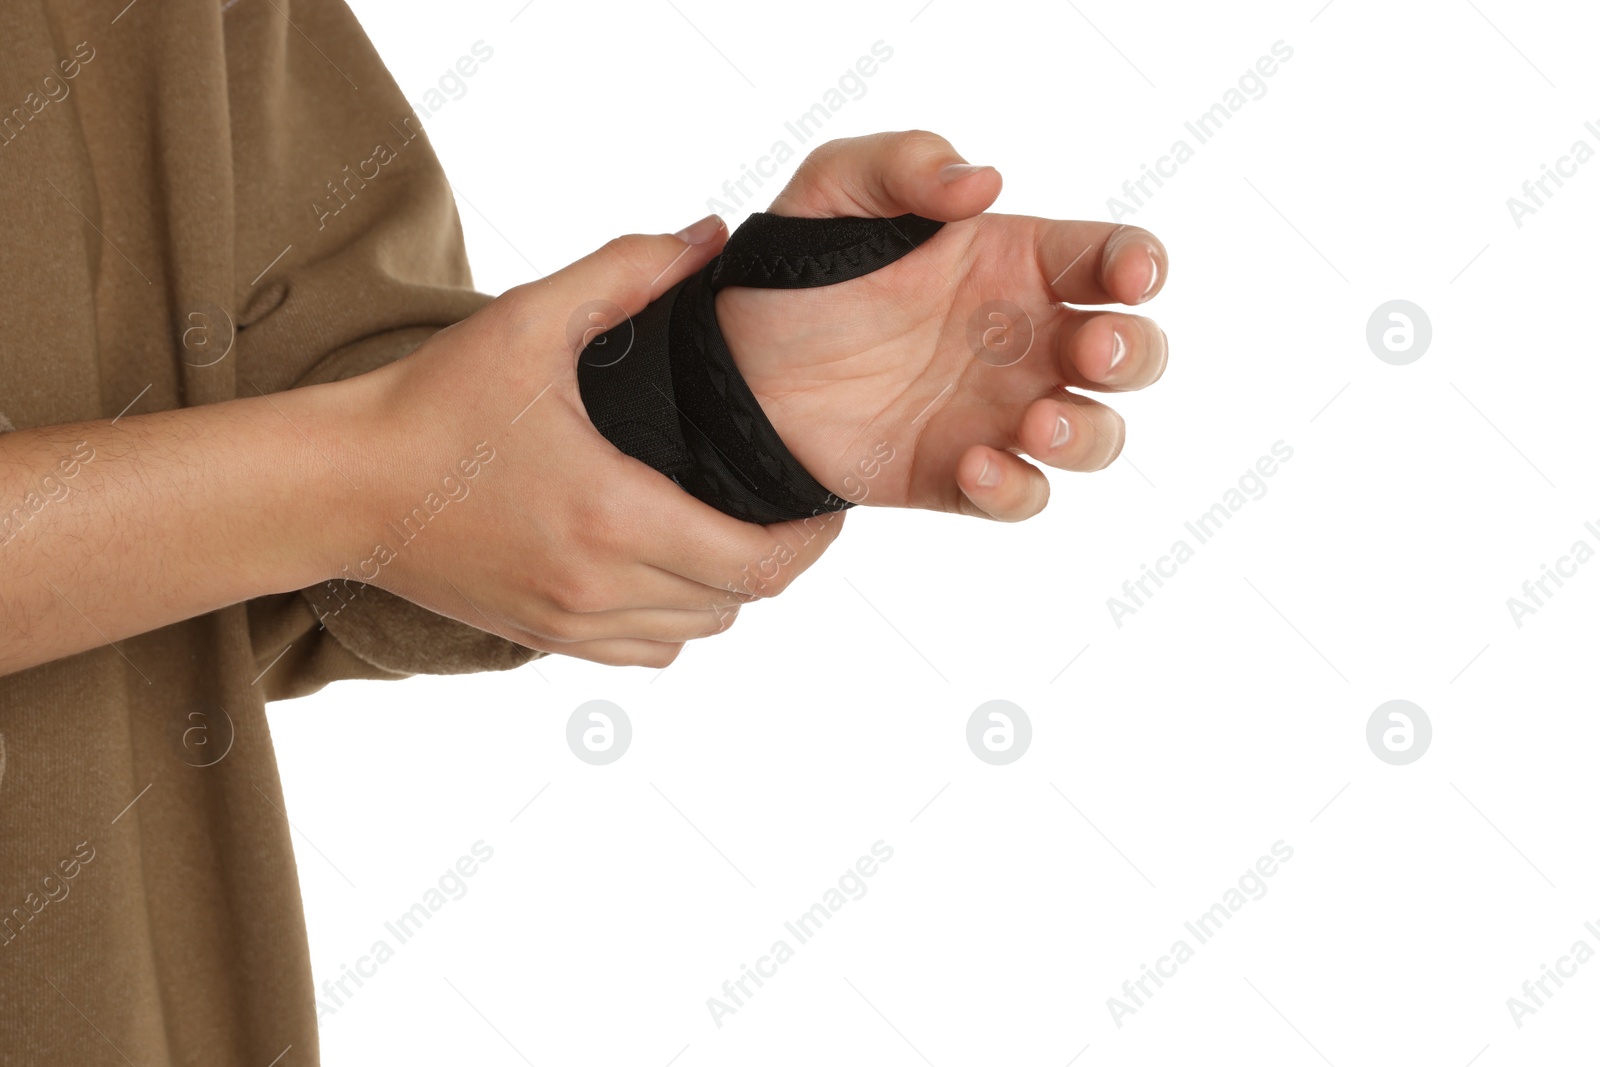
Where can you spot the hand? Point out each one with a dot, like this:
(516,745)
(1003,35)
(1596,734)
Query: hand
(885,365)
(501,505)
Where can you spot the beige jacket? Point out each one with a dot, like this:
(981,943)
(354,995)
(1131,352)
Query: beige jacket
(169,171)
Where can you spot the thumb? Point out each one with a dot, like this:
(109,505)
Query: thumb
(621,278)
(889,174)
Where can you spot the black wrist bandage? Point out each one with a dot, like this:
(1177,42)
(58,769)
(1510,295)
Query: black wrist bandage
(664,388)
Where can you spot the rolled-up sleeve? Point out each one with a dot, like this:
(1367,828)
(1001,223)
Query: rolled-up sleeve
(349,255)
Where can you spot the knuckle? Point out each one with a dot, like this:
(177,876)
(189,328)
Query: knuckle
(779,582)
(620,246)
(790,561)
(578,593)
(606,519)
(631,252)
(558,626)
(759,582)
(775,561)
(828,151)
(517,315)
(917,140)
(560,592)
(511,306)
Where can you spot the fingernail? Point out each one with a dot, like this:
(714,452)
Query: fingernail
(954,172)
(989,477)
(1119,351)
(1063,432)
(700,232)
(1155,275)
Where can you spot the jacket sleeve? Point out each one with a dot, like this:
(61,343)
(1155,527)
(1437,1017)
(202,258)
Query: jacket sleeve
(334,176)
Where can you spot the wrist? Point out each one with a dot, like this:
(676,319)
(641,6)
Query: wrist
(788,406)
(322,482)
(395,466)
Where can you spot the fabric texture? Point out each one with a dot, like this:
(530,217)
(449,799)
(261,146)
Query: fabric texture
(177,174)
(664,388)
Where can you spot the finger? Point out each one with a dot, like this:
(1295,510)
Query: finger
(1110,351)
(663,589)
(623,276)
(887,174)
(641,624)
(789,551)
(808,539)
(618,653)
(611,651)
(699,543)
(1100,262)
(999,485)
(674,531)
(1071,433)
(644,587)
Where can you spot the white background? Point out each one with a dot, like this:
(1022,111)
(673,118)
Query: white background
(1227,714)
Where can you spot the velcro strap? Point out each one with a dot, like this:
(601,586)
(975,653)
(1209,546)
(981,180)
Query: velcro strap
(783,252)
(665,389)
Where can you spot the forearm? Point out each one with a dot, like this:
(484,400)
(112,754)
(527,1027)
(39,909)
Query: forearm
(111,529)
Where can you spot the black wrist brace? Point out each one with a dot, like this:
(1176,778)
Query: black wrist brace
(664,388)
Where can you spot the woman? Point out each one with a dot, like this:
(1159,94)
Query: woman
(266,436)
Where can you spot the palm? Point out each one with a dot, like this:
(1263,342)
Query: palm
(889,359)
(920,385)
